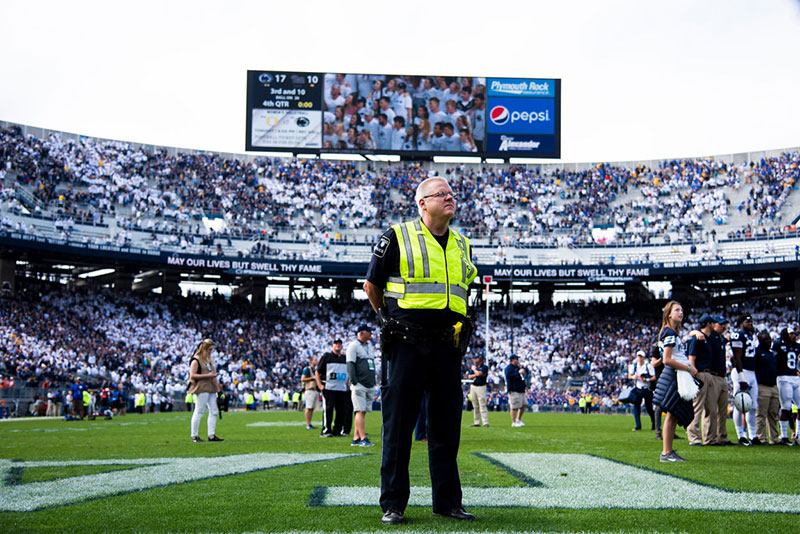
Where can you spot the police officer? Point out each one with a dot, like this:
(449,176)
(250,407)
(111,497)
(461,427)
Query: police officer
(418,283)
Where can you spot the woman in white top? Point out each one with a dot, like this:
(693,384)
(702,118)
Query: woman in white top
(673,352)
(203,382)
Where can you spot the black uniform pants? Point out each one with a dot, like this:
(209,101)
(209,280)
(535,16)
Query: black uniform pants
(412,373)
(340,402)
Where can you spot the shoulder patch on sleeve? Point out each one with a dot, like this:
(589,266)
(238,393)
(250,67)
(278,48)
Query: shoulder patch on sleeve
(380,249)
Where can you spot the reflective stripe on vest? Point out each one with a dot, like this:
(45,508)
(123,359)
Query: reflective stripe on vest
(431,278)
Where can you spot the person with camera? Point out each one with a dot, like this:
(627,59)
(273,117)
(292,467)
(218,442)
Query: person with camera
(418,283)
(477,391)
(643,374)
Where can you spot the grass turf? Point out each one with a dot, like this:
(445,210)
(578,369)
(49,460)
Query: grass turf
(276,500)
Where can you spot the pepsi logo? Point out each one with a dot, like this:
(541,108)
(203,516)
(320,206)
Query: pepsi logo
(499,115)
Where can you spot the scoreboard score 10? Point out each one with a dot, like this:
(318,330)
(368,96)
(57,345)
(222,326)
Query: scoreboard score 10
(284,110)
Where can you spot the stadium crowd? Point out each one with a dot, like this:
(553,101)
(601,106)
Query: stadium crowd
(411,113)
(51,335)
(122,189)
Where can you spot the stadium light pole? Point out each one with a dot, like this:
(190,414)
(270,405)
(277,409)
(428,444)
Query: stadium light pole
(487,280)
(511,308)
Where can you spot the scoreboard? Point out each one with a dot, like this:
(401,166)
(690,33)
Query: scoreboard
(312,112)
(284,110)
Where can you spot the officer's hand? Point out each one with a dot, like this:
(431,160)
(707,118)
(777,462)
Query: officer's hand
(743,386)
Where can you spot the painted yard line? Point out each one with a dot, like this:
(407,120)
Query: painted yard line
(474,531)
(276,423)
(156,472)
(565,477)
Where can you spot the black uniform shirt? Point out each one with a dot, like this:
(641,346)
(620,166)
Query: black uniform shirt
(717,344)
(385,263)
(766,372)
(786,357)
(481,380)
(701,350)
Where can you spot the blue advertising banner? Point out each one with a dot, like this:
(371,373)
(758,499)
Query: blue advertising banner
(533,144)
(522,115)
(521,87)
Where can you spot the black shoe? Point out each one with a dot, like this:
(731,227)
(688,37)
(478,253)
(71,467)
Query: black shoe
(637,429)
(658,435)
(457,513)
(214,438)
(756,441)
(695,444)
(744,442)
(393,517)
(676,436)
(726,443)
(787,442)
(196,439)
(326,435)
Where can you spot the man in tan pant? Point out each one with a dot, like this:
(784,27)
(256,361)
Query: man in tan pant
(477,392)
(709,401)
(767,416)
(769,403)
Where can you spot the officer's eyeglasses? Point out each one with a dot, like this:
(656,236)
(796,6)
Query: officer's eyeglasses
(440,194)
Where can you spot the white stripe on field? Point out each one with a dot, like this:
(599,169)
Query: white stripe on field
(276,423)
(565,478)
(157,472)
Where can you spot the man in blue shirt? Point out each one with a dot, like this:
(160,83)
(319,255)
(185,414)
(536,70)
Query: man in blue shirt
(516,390)
(77,390)
(477,391)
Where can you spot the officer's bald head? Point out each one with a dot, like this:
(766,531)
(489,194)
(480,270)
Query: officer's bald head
(425,187)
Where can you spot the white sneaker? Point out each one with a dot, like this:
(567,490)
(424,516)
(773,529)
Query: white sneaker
(520,423)
(515,424)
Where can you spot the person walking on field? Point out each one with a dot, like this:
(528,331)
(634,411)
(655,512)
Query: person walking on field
(203,382)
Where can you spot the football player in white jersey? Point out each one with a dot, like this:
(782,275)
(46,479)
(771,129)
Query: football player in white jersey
(743,376)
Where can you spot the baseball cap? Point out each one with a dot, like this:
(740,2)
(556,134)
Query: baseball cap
(364,327)
(337,340)
(706,319)
(513,357)
(743,318)
(401,85)
(720,319)
(791,329)
(641,353)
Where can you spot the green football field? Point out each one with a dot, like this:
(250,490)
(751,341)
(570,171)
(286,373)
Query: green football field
(560,473)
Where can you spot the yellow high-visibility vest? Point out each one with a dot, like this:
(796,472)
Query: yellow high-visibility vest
(189,399)
(431,278)
(86,398)
(249,399)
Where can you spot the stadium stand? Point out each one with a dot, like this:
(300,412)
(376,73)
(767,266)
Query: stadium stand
(49,334)
(81,190)
(110,192)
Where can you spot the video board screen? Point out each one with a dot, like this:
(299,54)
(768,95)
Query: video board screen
(413,116)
